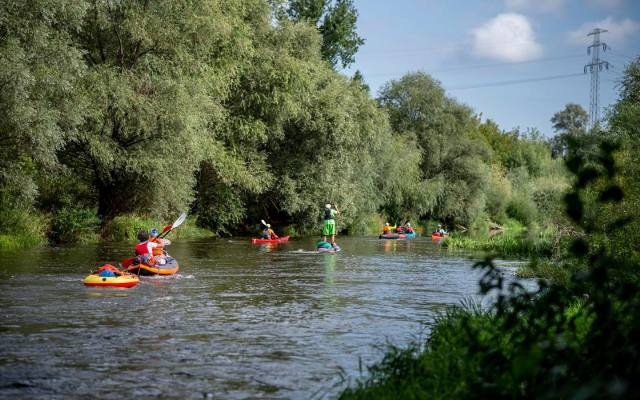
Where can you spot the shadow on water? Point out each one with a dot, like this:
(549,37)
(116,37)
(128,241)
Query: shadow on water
(237,321)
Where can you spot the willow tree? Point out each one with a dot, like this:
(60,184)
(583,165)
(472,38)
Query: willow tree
(39,108)
(158,74)
(310,136)
(454,172)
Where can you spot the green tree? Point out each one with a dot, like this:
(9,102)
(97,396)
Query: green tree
(39,108)
(336,20)
(453,167)
(624,125)
(568,123)
(158,74)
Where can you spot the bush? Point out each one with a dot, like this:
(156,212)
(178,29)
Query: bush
(522,208)
(21,229)
(126,228)
(75,225)
(368,225)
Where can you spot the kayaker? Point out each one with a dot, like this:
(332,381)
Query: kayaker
(409,229)
(400,229)
(329,228)
(386,228)
(144,249)
(158,251)
(268,233)
(440,231)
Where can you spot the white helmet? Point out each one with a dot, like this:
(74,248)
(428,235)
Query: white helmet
(386,224)
(408,224)
(327,205)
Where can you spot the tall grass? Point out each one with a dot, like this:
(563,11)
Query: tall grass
(22,229)
(514,241)
(126,228)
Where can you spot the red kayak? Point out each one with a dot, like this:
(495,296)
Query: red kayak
(281,240)
(437,236)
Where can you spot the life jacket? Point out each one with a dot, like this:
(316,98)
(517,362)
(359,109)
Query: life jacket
(157,251)
(327,214)
(410,230)
(266,234)
(142,249)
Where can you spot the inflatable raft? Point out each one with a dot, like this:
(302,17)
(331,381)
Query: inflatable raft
(280,240)
(331,250)
(397,235)
(134,266)
(110,276)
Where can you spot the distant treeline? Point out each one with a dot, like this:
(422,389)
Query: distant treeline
(234,110)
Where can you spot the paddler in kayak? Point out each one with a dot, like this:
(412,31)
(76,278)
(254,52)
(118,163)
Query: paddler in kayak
(387,228)
(329,228)
(267,232)
(409,229)
(158,252)
(144,249)
(440,231)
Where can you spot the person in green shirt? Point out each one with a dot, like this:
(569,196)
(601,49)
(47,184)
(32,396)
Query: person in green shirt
(329,228)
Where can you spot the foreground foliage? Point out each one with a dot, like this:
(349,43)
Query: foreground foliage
(559,341)
(573,338)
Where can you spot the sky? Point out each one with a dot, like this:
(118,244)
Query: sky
(478,48)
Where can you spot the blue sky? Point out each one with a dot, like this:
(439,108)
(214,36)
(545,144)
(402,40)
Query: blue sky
(467,43)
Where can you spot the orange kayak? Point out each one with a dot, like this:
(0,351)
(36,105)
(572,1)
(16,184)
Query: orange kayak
(280,240)
(171,267)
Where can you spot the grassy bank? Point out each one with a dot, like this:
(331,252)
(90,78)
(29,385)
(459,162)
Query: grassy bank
(514,241)
(24,229)
(125,228)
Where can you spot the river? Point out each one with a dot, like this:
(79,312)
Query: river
(238,320)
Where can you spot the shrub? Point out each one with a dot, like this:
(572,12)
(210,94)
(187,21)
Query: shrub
(71,225)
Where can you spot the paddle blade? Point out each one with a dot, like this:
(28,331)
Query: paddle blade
(179,221)
(166,228)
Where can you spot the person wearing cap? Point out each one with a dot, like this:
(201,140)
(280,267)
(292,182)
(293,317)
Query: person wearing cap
(145,247)
(441,231)
(268,233)
(329,228)
(409,229)
(158,250)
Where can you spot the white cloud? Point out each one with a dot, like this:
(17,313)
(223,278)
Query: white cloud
(536,5)
(618,31)
(507,37)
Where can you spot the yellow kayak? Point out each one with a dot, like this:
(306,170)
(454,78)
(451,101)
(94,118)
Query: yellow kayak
(110,276)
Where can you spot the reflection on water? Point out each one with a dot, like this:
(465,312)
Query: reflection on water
(238,321)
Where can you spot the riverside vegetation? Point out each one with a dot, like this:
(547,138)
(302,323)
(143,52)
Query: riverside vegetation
(573,337)
(114,116)
(233,110)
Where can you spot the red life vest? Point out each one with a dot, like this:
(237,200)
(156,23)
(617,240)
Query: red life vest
(142,249)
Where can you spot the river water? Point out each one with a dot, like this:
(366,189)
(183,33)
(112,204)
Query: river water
(238,321)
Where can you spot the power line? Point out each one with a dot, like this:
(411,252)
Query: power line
(493,65)
(621,55)
(515,82)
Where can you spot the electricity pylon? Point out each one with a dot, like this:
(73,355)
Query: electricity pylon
(596,65)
